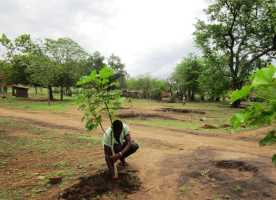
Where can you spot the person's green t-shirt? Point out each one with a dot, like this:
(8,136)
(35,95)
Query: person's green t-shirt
(110,142)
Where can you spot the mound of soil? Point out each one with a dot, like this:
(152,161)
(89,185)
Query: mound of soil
(126,115)
(208,126)
(236,164)
(100,184)
(179,110)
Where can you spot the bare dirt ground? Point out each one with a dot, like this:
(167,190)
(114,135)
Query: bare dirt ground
(173,164)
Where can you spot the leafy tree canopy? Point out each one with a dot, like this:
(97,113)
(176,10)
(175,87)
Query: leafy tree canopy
(242,31)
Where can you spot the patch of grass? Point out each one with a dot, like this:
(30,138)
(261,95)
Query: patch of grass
(47,140)
(61,165)
(6,194)
(167,123)
(35,105)
(216,114)
(115,196)
(217,198)
(12,124)
(81,139)
(237,188)
(184,189)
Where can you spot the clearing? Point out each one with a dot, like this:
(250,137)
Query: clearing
(186,152)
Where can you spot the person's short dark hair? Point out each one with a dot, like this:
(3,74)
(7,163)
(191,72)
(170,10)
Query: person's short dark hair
(117,127)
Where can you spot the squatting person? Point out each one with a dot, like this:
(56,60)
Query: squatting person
(121,143)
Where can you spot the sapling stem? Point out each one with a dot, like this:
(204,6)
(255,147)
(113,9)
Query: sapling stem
(112,149)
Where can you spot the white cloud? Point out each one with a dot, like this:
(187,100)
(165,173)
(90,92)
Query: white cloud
(149,35)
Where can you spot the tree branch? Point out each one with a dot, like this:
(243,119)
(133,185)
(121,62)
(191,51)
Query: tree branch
(265,51)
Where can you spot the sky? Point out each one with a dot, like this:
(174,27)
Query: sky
(150,36)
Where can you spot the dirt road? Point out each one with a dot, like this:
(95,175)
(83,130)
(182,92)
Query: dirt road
(180,165)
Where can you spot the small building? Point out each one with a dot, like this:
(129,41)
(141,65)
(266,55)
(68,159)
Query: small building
(166,96)
(132,94)
(20,91)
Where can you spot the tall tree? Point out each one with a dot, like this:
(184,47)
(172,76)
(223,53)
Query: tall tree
(96,62)
(44,72)
(213,79)
(243,31)
(5,76)
(17,56)
(66,54)
(116,64)
(186,77)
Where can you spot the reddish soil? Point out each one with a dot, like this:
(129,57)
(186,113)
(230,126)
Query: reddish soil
(175,165)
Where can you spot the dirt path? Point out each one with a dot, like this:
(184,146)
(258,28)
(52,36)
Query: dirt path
(166,155)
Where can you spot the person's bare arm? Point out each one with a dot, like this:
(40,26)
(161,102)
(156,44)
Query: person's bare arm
(108,157)
(128,141)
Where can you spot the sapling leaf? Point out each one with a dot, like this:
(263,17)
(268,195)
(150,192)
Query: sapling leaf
(269,139)
(238,120)
(264,76)
(240,94)
(274,159)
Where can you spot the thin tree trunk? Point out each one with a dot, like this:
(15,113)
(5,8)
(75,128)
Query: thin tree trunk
(61,93)
(189,95)
(112,149)
(13,91)
(192,96)
(50,94)
(5,90)
(236,104)
(236,85)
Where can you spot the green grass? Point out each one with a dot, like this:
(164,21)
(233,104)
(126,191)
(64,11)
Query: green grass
(166,123)
(211,106)
(45,139)
(48,142)
(38,102)
(184,189)
(11,194)
(36,105)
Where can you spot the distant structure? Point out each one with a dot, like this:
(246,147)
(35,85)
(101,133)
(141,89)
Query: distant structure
(132,93)
(3,86)
(20,91)
(166,97)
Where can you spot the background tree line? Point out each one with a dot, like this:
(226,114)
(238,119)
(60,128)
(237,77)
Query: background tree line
(49,63)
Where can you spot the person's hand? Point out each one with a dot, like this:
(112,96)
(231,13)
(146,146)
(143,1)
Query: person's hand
(115,157)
